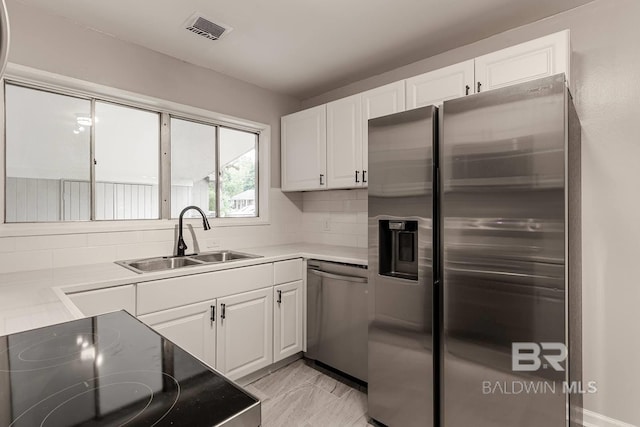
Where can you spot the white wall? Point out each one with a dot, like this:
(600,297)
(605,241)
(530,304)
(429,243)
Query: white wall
(605,72)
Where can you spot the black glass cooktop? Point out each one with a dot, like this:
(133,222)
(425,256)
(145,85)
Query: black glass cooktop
(109,370)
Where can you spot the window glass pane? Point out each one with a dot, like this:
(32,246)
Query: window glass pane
(127,148)
(238,182)
(193,167)
(47,156)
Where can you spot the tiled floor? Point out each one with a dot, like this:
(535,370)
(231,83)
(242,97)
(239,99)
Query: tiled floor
(301,396)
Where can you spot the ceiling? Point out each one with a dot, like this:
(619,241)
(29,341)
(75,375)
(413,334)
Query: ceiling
(305,47)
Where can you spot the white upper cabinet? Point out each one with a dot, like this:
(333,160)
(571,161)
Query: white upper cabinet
(344,143)
(304,150)
(381,101)
(323,149)
(532,60)
(435,87)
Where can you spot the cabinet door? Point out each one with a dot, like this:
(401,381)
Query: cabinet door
(537,58)
(344,143)
(245,333)
(304,150)
(287,320)
(92,303)
(435,87)
(383,100)
(191,327)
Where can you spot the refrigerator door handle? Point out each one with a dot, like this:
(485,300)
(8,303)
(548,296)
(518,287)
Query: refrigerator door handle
(337,276)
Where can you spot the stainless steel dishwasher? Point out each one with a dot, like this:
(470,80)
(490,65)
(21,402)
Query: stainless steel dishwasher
(337,316)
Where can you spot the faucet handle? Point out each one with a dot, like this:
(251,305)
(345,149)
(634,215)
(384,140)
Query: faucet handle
(182,247)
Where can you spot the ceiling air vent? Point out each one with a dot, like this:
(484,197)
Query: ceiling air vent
(206,28)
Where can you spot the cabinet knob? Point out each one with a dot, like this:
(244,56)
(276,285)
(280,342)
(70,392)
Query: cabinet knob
(364,177)
(279,297)
(466,89)
(213,314)
(479,84)
(357,172)
(321,179)
(223,315)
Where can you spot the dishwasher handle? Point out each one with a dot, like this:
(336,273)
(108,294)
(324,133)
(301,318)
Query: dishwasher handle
(337,276)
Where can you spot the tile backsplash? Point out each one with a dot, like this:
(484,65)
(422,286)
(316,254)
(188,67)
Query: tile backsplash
(64,250)
(335,217)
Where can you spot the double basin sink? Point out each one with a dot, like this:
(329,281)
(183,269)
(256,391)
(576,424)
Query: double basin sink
(173,262)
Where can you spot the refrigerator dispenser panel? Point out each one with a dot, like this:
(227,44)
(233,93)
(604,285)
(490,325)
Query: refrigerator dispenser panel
(398,250)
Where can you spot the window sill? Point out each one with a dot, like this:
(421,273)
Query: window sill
(84,227)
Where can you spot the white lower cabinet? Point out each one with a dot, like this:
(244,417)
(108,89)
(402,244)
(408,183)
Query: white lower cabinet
(191,327)
(287,320)
(100,301)
(245,333)
(236,333)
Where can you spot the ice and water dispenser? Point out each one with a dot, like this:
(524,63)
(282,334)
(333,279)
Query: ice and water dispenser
(399,249)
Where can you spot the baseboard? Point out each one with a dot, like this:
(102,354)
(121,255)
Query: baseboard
(594,419)
(248,379)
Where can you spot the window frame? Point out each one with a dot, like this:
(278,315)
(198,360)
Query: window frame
(40,80)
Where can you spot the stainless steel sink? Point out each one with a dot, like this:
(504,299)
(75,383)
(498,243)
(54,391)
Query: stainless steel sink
(170,263)
(223,256)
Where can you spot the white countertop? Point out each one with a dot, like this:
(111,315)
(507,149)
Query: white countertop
(28,299)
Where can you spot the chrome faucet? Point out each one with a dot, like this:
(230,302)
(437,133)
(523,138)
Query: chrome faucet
(182,246)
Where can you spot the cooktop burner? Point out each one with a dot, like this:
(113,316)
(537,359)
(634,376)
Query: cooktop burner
(109,370)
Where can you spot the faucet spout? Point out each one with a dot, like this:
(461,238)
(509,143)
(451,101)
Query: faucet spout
(182,246)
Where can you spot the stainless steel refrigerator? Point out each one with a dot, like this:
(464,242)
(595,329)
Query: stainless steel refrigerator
(402,156)
(474,250)
(511,256)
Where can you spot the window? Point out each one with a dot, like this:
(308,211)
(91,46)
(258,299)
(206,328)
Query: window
(47,156)
(73,157)
(201,177)
(238,167)
(127,152)
(193,167)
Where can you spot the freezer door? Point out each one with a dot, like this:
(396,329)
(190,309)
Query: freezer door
(503,205)
(401,169)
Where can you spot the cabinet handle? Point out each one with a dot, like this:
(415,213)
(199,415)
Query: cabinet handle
(357,172)
(466,90)
(213,314)
(321,179)
(479,84)
(223,315)
(279,297)
(364,177)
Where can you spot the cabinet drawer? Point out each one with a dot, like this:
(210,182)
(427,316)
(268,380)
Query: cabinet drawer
(169,293)
(287,271)
(92,303)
